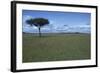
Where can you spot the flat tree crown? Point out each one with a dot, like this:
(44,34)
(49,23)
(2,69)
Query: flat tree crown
(37,21)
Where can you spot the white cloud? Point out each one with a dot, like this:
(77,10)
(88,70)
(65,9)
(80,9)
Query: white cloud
(56,29)
(26,17)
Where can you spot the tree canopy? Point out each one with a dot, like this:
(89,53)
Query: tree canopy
(37,21)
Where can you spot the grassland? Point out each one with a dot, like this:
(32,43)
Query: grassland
(56,47)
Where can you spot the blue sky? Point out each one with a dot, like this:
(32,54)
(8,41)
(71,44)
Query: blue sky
(59,21)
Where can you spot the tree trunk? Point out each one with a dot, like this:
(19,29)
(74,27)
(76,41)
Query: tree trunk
(39,32)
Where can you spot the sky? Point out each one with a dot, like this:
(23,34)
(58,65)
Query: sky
(59,21)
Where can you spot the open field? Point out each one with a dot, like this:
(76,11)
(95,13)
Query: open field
(56,47)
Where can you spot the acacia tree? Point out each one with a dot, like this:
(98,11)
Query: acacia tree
(38,22)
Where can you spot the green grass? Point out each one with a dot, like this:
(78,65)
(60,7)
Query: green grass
(56,47)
